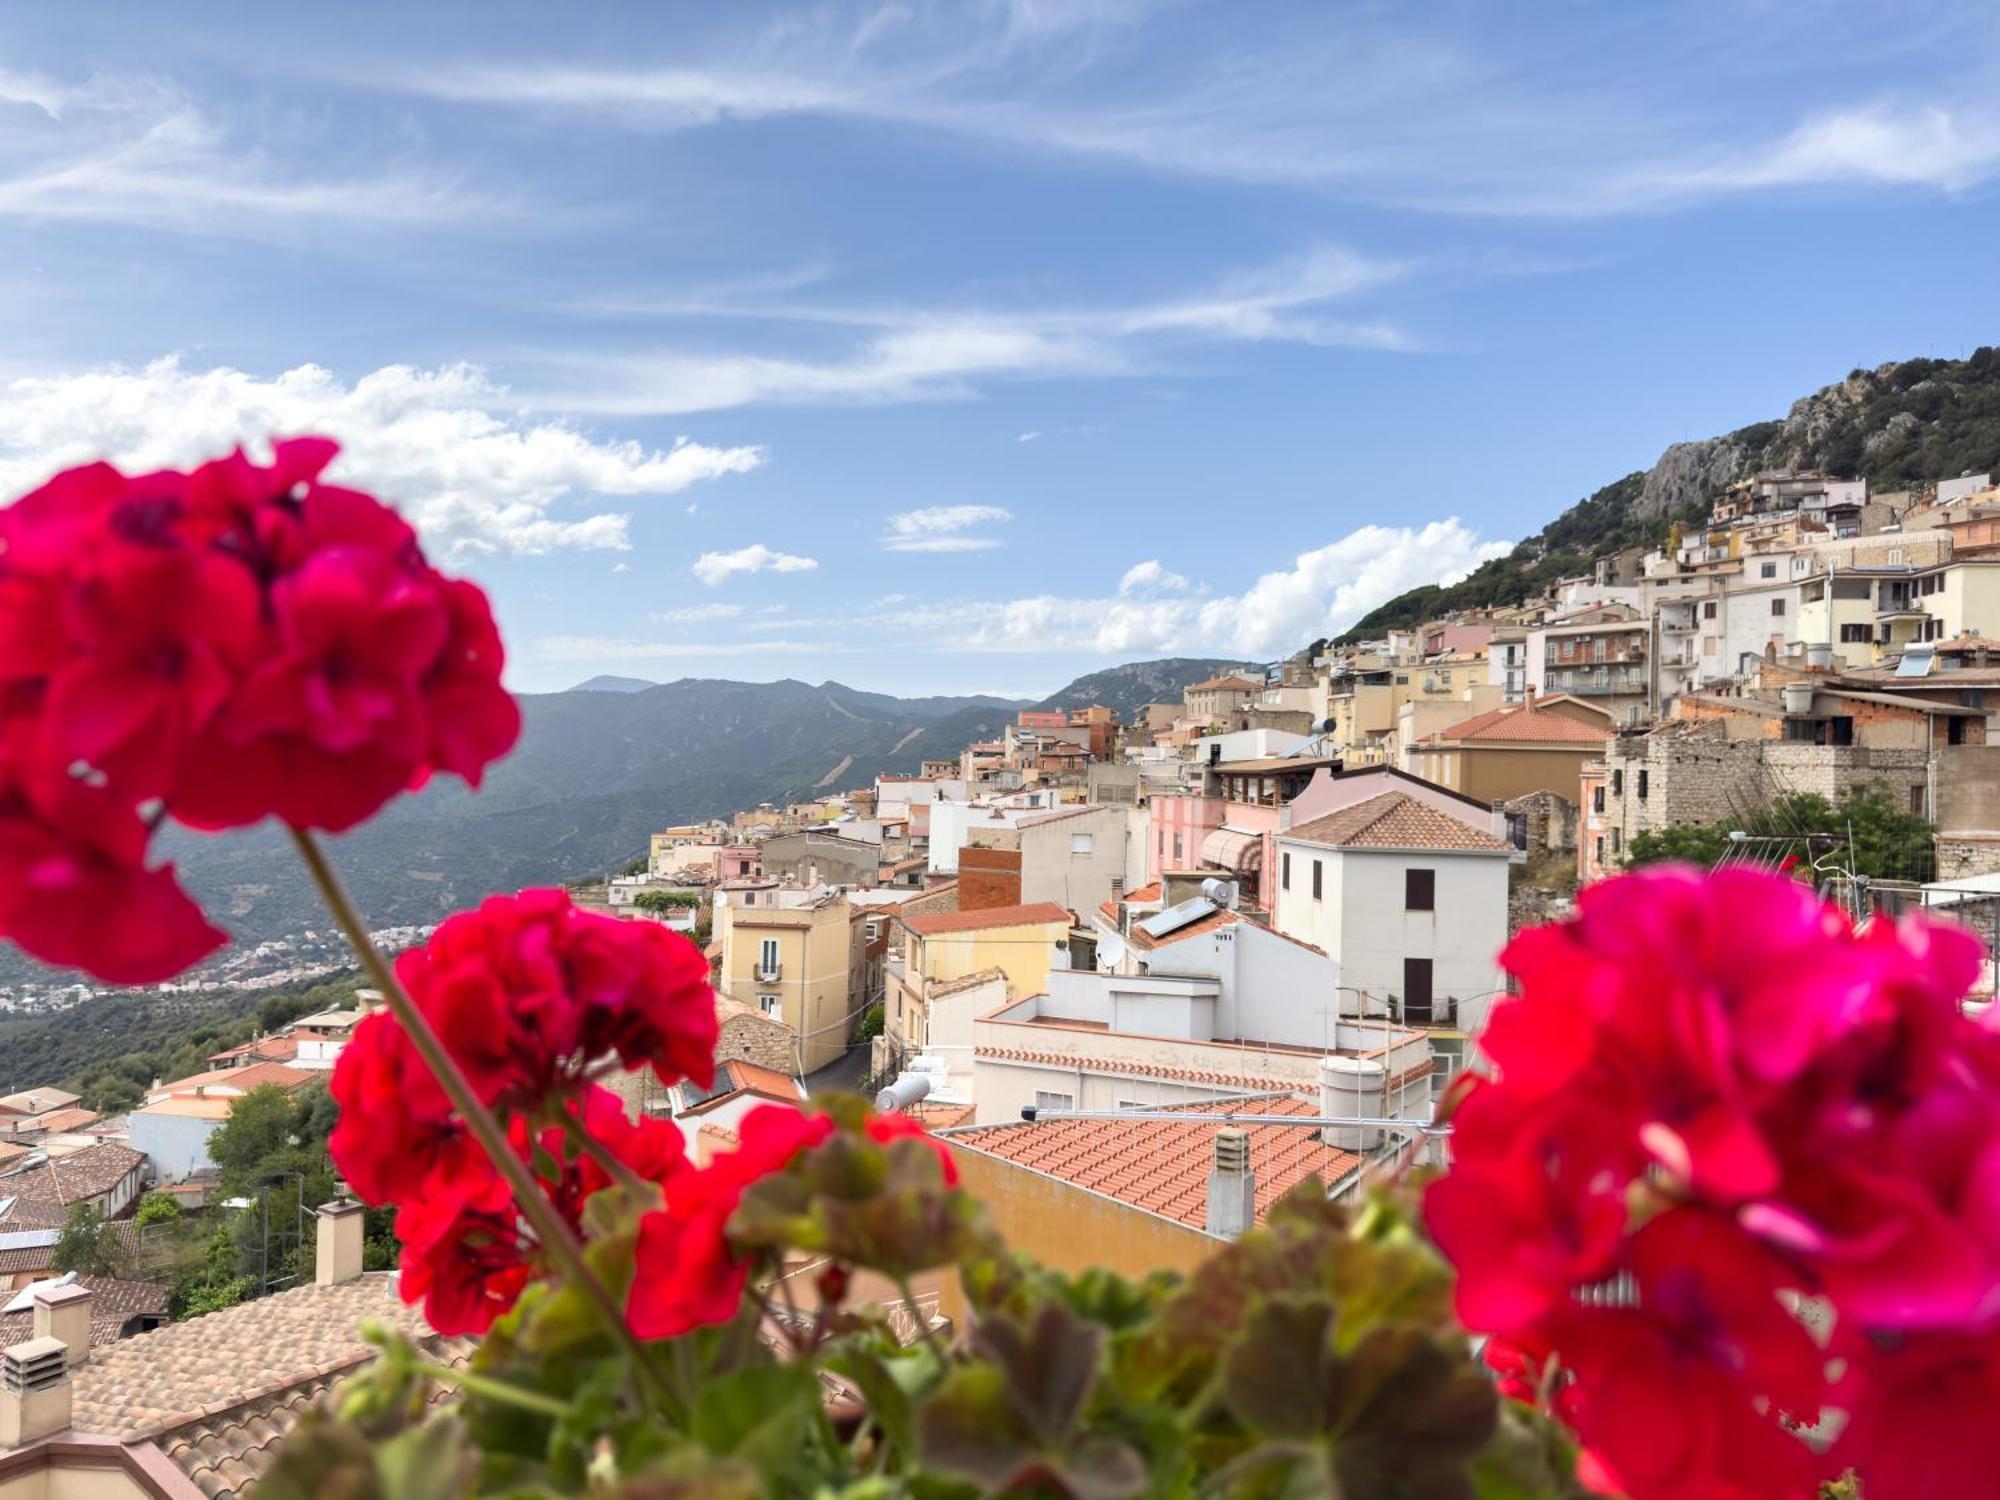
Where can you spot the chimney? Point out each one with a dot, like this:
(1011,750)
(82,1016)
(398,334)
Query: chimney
(34,1392)
(1232,1186)
(63,1313)
(1350,1086)
(337,1256)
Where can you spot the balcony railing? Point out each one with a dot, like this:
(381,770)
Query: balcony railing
(1440,1011)
(1585,681)
(769,973)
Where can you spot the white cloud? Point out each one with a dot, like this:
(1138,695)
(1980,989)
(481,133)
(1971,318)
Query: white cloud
(694,613)
(621,567)
(1322,592)
(943,528)
(713,568)
(1151,577)
(1901,144)
(447,446)
(1329,588)
(1027,437)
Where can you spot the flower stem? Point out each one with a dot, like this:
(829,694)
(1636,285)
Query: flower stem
(548,1225)
(503,1392)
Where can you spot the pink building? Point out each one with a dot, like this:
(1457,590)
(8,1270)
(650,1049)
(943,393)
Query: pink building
(1237,835)
(1454,638)
(735,861)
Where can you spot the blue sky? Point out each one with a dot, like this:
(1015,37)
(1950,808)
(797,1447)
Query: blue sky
(969,346)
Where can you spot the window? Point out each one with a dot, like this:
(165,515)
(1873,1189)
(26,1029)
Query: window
(1285,871)
(1417,990)
(1708,609)
(1048,1099)
(1617,841)
(1080,843)
(1770,570)
(770,1006)
(1777,608)
(1177,849)
(1895,557)
(1917,801)
(749,898)
(1419,890)
(1617,783)
(1318,870)
(1597,799)
(1600,850)
(1643,779)
(1851,635)
(767,955)
(1402,679)
(1954,731)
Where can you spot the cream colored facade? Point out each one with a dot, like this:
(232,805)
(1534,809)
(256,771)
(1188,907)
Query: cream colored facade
(802,965)
(1023,951)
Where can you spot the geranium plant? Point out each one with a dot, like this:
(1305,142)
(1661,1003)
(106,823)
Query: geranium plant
(1721,1216)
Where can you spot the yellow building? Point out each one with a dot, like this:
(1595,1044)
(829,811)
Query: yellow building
(1022,941)
(800,957)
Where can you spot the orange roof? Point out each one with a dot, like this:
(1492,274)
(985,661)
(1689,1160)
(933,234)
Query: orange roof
(992,916)
(1396,821)
(1145,893)
(1208,1077)
(1227,679)
(246,1079)
(1162,1166)
(1526,722)
(56,1121)
(762,1080)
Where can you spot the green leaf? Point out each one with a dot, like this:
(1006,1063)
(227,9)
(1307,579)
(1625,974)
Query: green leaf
(1277,1377)
(427,1462)
(885,1392)
(762,1414)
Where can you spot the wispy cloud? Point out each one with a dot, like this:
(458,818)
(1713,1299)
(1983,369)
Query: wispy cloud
(568,648)
(944,528)
(714,568)
(916,354)
(1508,125)
(449,445)
(693,614)
(139,151)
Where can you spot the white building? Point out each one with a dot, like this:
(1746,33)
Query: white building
(1410,902)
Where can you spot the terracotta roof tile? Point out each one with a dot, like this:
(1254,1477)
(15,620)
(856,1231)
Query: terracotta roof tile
(113,1304)
(43,1195)
(970,981)
(1525,723)
(1249,1083)
(56,1121)
(242,1079)
(257,1354)
(1162,1166)
(993,916)
(1396,821)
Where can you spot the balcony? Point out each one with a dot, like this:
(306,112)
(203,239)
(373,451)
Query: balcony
(1678,627)
(769,973)
(1597,679)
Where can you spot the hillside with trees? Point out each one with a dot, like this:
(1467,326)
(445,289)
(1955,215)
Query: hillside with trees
(1903,424)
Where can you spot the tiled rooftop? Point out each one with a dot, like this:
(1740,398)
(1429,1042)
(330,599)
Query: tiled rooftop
(1162,1166)
(240,1080)
(113,1304)
(218,1391)
(43,1195)
(932,924)
(1525,723)
(1248,1083)
(58,1121)
(1396,821)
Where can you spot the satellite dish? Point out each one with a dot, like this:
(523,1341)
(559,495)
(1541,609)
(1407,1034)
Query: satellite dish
(1111,948)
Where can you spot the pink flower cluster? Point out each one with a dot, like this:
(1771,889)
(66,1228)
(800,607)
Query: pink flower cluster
(1734,1186)
(218,647)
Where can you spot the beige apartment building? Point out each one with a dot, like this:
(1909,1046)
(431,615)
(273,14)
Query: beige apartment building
(800,957)
(1022,942)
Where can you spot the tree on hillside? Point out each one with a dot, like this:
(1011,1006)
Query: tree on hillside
(85,1245)
(262,1125)
(1883,839)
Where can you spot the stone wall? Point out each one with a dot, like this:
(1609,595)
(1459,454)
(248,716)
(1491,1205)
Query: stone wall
(753,1038)
(1551,821)
(1696,774)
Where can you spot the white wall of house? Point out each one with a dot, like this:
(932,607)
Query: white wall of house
(951,1026)
(1273,990)
(953,824)
(1361,919)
